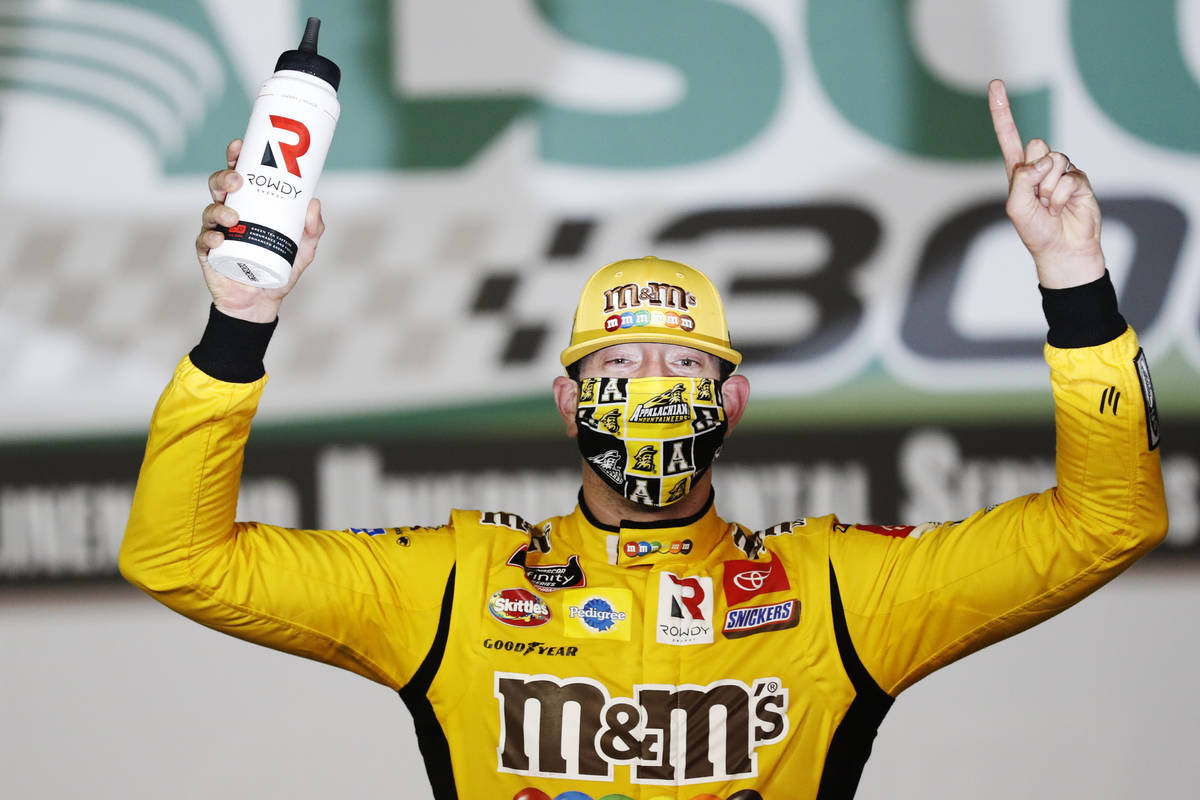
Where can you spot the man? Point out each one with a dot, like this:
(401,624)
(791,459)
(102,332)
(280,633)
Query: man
(641,646)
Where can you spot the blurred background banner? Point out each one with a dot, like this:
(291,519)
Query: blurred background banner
(829,163)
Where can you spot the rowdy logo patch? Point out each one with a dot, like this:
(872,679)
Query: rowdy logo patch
(685,610)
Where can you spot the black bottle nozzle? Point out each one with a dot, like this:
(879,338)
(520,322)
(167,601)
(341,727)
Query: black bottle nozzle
(306,59)
(308,43)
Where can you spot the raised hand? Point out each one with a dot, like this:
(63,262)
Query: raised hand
(250,303)
(1050,203)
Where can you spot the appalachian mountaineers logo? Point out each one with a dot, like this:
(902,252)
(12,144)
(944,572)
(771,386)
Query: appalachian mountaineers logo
(609,462)
(643,460)
(670,406)
(678,491)
(611,421)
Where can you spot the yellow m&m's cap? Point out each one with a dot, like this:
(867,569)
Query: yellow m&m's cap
(649,300)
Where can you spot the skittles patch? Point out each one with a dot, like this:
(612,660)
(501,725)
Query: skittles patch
(519,608)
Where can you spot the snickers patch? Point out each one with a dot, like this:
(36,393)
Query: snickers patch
(741,622)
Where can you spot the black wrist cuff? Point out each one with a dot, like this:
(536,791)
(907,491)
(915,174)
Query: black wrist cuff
(1082,316)
(231,349)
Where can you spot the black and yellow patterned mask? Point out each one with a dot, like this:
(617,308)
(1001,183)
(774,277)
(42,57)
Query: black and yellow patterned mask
(650,439)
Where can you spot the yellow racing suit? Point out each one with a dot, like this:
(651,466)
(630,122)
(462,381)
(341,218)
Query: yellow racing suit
(693,659)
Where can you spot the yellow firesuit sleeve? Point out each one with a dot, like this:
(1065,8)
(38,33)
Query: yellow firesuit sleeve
(367,603)
(918,603)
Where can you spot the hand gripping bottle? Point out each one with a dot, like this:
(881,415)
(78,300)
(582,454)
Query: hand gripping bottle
(282,155)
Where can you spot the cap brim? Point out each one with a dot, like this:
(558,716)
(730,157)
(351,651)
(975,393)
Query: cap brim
(692,340)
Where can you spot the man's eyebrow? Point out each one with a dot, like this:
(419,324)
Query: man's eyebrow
(688,352)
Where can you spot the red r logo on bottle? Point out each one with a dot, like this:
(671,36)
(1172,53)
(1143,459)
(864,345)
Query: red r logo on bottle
(291,152)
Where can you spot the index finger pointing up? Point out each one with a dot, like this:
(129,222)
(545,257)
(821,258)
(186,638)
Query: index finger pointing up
(1005,126)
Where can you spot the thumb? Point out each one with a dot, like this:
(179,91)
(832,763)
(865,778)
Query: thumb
(1022,194)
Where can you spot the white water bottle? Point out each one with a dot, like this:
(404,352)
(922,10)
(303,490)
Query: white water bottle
(282,156)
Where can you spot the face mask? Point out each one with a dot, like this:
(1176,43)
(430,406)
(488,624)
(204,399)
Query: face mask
(650,439)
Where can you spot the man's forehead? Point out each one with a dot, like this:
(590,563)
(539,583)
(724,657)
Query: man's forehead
(644,348)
